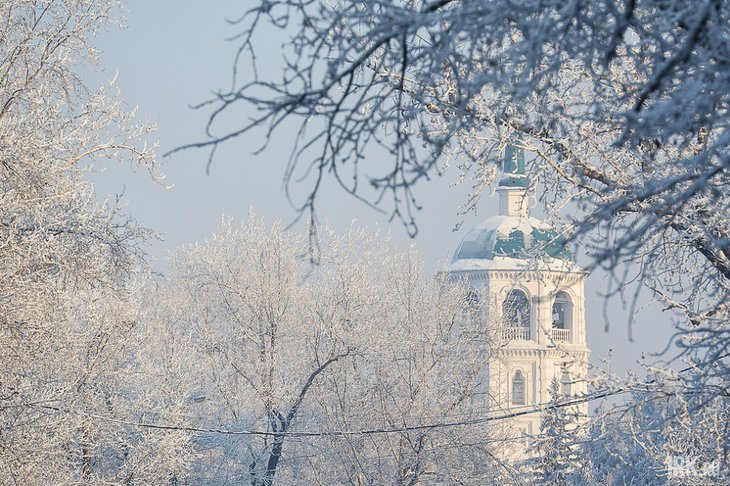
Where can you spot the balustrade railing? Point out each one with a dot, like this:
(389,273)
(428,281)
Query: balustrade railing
(523,334)
(560,335)
(516,334)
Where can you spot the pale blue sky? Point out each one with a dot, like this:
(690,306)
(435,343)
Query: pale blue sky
(173,54)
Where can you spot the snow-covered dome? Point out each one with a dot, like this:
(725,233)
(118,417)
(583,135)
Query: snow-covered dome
(513,235)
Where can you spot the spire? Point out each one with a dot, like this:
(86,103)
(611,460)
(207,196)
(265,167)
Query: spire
(513,166)
(513,199)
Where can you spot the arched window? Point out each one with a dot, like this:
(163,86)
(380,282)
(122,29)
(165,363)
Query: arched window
(518,388)
(472,308)
(471,298)
(562,311)
(516,309)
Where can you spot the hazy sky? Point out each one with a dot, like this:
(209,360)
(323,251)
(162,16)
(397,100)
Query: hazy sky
(173,54)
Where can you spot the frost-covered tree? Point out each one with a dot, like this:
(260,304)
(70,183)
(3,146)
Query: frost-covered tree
(70,266)
(677,438)
(349,371)
(555,448)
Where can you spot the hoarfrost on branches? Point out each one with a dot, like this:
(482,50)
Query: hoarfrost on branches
(70,267)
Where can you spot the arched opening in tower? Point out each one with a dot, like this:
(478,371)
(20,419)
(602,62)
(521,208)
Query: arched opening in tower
(516,314)
(562,317)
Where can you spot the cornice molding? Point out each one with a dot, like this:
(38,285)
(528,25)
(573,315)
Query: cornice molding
(580,354)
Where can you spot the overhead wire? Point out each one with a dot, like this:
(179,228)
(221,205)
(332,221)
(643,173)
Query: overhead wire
(371,431)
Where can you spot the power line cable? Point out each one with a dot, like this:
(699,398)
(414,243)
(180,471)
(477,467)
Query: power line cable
(383,430)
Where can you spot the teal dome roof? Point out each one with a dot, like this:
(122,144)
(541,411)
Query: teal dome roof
(512,237)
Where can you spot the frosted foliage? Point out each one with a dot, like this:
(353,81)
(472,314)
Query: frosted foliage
(363,341)
(674,439)
(555,448)
(622,106)
(68,265)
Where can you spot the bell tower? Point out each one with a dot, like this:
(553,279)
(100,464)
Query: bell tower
(534,300)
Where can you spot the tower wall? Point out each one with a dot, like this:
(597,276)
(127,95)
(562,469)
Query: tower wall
(539,355)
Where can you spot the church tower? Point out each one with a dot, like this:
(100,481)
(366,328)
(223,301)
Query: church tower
(534,295)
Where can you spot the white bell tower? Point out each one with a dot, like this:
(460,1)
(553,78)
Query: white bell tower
(535,305)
